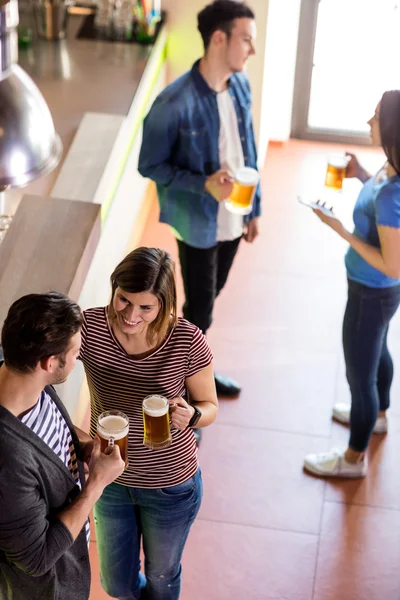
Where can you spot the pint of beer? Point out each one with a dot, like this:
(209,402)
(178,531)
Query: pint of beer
(113,428)
(240,200)
(336,172)
(157,433)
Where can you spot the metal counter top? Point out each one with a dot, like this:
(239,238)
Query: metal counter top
(77,76)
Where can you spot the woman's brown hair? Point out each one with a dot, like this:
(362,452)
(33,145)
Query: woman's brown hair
(149,270)
(389,125)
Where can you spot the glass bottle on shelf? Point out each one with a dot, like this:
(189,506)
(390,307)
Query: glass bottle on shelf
(123,18)
(104,17)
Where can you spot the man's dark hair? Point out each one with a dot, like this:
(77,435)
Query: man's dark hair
(389,125)
(220,16)
(38,326)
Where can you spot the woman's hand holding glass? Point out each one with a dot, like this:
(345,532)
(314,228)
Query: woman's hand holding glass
(181,413)
(354,169)
(353,166)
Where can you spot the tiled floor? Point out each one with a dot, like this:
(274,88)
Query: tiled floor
(266,530)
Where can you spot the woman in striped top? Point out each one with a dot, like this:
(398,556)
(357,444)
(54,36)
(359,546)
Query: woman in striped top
(136,347)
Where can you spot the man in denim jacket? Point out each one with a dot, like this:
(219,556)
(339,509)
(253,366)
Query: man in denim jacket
(198,132)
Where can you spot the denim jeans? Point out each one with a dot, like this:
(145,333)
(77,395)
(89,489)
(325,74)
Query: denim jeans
(161,519)
(369,366)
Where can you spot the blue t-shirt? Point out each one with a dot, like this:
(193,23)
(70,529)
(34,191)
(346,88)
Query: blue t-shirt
(377,204)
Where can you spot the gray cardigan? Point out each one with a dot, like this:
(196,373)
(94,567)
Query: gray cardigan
(38,558)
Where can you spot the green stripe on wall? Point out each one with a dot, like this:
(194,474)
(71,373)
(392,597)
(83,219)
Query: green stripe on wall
(105,207)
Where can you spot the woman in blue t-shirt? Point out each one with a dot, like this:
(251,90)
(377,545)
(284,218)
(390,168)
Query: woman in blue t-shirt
(373,271)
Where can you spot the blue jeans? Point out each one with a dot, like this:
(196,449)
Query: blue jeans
(161,518)
(369,366)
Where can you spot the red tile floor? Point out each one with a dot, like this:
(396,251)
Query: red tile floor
(266,530)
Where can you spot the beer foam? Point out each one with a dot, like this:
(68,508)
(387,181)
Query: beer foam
(339,161)
(112,426)
(155,406)
(247,176)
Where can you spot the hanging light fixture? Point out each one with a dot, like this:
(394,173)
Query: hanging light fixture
(29,145)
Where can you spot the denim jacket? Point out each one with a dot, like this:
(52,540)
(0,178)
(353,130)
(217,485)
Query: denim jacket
(180,150)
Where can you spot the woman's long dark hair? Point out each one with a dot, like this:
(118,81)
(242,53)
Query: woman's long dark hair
(149,270)
(389,125)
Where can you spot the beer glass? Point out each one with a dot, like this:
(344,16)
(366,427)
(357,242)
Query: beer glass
(157,433)
(113,428)
(240,200)
(336,172)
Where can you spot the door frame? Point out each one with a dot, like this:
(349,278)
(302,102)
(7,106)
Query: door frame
(302,85)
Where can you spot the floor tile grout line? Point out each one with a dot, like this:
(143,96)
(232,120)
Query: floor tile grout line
(263,527)
(336,388)
(360,505)
(276,430)
(321,518)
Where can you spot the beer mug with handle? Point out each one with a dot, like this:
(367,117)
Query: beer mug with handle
(157,433)
(113,428)
(240,200)
(336,172)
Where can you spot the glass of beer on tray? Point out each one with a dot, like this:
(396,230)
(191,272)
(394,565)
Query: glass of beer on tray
(240,200)
(157,433)
(336,172)
(113,428)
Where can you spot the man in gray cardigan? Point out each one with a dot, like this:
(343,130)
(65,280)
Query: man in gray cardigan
(44,500)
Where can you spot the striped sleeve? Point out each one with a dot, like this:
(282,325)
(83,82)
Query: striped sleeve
(84,333)
(200,355)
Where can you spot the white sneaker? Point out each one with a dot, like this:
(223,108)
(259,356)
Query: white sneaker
(333,464)
(341,412)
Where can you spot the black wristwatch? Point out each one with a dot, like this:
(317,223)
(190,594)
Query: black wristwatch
(196,417)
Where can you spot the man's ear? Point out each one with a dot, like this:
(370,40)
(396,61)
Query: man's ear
(218,38)
(49,364)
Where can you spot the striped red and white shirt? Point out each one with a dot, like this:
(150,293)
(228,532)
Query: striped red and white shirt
(119,381)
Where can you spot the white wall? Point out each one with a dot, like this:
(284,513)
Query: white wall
(279,68)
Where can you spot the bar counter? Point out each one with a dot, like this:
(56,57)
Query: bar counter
(72,227)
